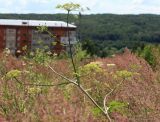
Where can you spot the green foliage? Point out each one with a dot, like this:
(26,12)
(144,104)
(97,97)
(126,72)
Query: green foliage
(135,67)
(90,46)
(34,90)
(116,106)
(67,91)
(2,68)
(21,99)
(90,68)
(109,48)
(96,111)
(37,78)
(40,56)
(149,53)
(80,54)
(11,102)
(19,104)
(13,73)
(124,74)
(42,29)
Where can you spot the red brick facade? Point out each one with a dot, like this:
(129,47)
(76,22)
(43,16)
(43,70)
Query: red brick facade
(2,38)
(24,36)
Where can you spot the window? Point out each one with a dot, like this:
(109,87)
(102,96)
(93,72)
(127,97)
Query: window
(24,23)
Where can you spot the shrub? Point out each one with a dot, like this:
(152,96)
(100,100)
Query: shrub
(151,54)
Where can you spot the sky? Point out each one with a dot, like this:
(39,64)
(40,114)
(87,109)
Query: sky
(96,6)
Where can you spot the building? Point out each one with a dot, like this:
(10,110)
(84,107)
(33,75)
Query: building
(16,34)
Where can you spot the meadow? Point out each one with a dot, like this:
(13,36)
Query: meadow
(31,91)
(81,86)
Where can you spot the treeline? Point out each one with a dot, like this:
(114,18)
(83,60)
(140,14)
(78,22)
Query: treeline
(107,30)
(107,26)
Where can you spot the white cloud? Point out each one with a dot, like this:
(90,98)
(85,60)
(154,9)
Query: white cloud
(41,1)
(96,6)
(138,2)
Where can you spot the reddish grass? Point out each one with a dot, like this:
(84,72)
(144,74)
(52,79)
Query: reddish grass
(142,92)
(67,104)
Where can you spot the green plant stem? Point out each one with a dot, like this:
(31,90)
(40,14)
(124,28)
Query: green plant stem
(80,16)
(49,85)
(70,49)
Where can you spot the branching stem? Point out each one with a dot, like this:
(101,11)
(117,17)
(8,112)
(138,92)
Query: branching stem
(85,92)
(47,85)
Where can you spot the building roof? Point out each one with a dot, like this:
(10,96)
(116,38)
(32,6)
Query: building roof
(33,23)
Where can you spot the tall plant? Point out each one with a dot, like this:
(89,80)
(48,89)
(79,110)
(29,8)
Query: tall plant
(69,7)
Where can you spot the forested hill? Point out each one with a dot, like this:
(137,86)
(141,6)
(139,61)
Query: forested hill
(107,26)
(109,32)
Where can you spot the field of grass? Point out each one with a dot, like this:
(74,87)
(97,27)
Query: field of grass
(31,92)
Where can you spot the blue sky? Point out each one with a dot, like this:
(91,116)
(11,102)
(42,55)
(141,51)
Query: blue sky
(96,6)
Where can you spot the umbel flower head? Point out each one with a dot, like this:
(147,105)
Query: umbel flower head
(69,6)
